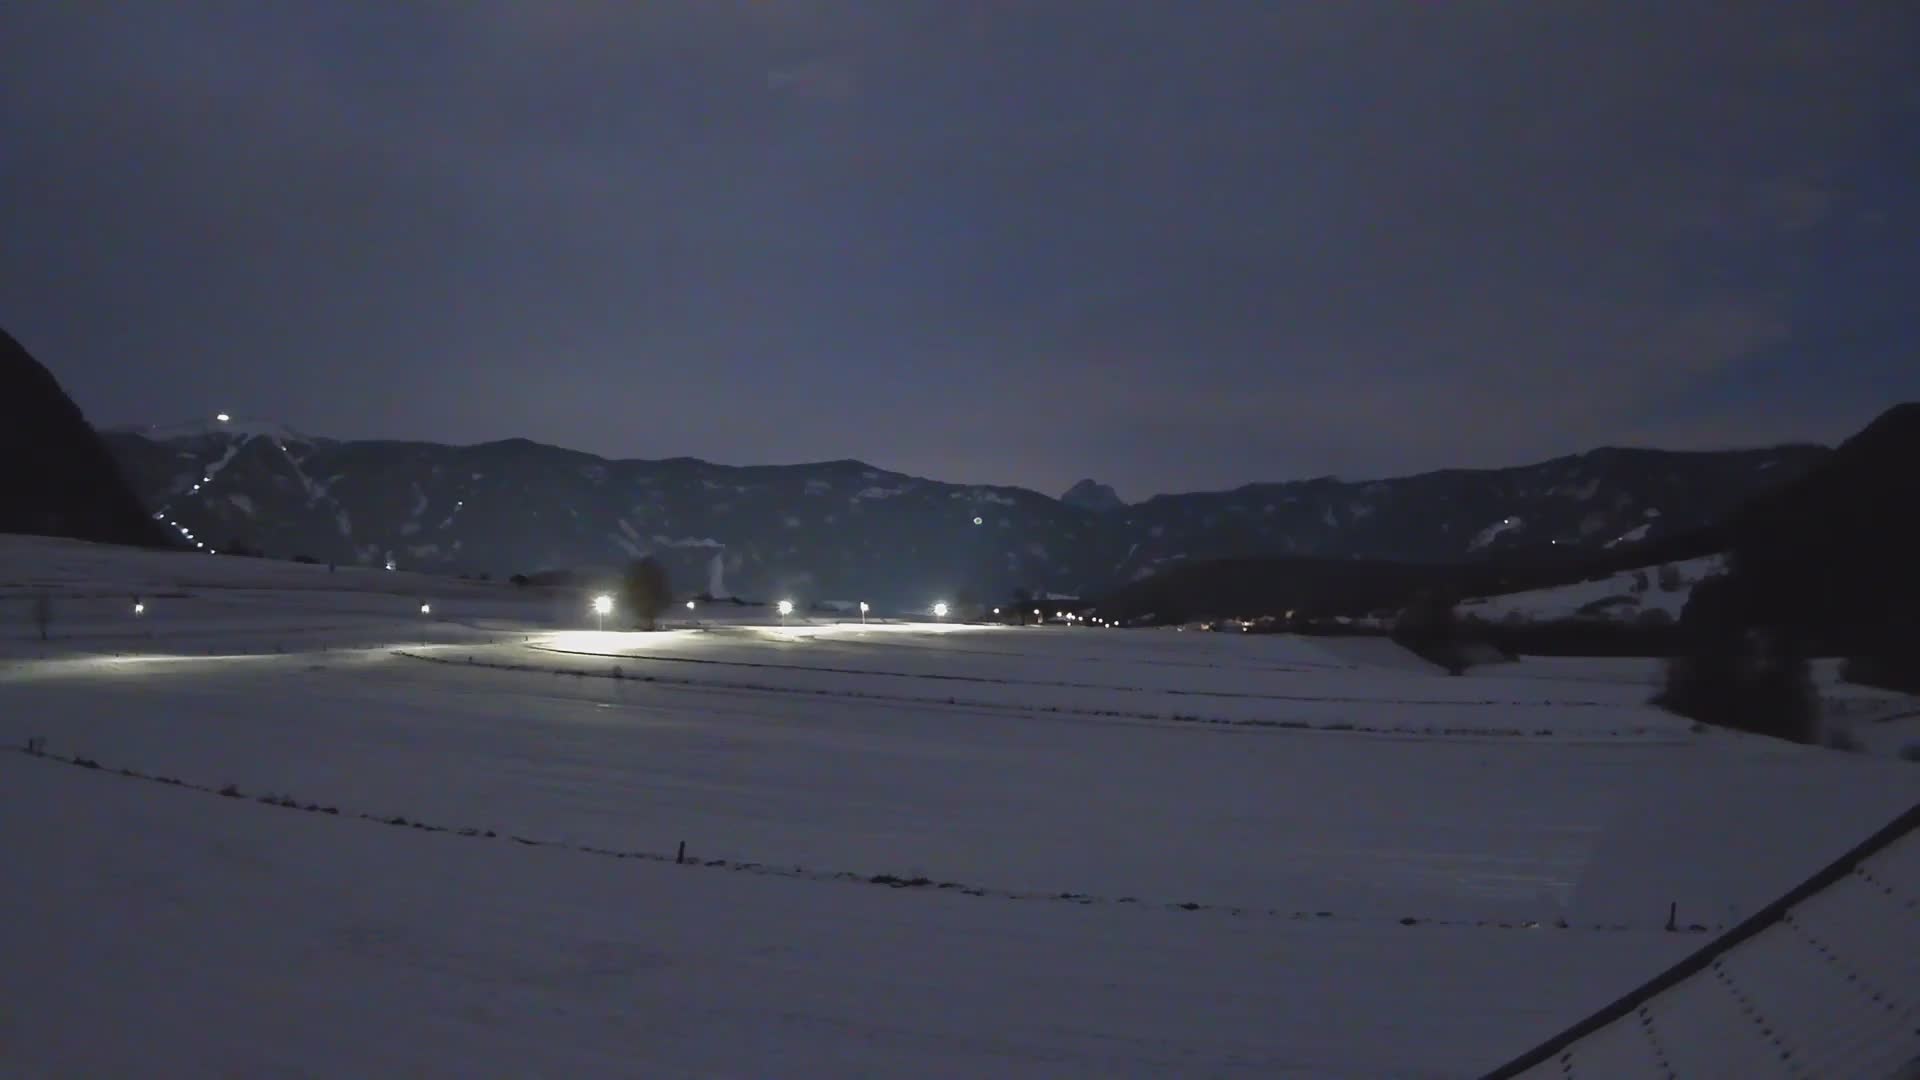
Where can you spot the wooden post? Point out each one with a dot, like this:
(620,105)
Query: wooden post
(1673,913)
(680,856)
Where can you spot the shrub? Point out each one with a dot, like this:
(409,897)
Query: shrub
(1841,738)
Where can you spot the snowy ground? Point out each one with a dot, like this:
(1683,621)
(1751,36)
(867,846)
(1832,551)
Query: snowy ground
(1097,852)
(1621,597)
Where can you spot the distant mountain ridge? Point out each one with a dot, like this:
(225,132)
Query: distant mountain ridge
(847,530)
(1088,495)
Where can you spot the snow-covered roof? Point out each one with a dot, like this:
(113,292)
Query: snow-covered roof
(1823,982)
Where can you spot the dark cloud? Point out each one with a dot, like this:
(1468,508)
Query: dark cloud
(1167,245)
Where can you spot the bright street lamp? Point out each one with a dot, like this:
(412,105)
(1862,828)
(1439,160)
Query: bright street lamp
(602,607)
(786,609)
(689,605)
(863,613)
(426,609)
(222,417)
(939,611)
(139,608)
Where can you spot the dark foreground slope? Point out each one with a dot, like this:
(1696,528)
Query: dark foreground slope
(56,476)
(1835,553)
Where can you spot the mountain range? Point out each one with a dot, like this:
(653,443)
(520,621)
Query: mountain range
(848,530)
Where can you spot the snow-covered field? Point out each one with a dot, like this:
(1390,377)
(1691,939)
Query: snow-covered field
(1621,597)
(910,849)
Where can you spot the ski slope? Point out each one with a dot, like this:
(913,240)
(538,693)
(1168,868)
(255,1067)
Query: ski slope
(910,849)
(1621,597)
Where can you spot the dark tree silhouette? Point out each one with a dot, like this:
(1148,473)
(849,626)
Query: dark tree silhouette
(1738,668)
(1022,604)
(1428,628)
(645,591)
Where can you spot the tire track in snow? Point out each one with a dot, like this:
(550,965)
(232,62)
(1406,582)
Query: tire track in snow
(36,750)
(1602,735)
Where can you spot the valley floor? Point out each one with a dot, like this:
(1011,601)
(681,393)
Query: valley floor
(911,850)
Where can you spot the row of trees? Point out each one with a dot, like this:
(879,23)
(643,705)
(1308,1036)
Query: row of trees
(1737,668)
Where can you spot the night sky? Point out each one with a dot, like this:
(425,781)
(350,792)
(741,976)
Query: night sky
(1169,245)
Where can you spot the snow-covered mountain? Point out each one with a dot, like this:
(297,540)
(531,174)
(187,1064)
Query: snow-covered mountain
(846,529)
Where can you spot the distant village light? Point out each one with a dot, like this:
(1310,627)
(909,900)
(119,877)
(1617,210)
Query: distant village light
(222,417)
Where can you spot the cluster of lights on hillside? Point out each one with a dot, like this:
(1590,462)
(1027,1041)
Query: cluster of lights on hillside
(602,605)
(167,517)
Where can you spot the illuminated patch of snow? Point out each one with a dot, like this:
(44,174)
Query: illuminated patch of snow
(1633,535)
(1566,601)
(1490,533)
(244,503)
